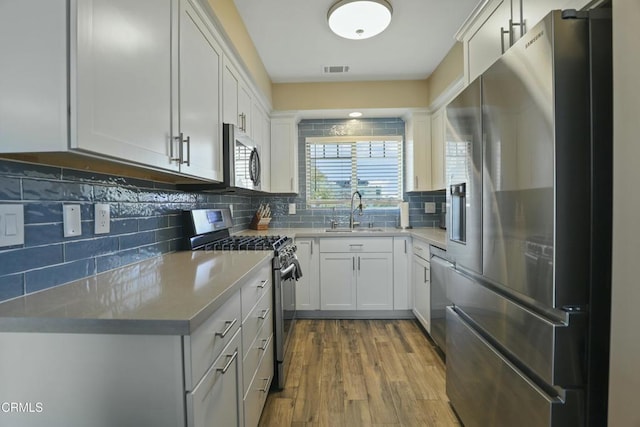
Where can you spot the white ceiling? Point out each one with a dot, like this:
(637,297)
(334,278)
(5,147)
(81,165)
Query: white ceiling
(294,41)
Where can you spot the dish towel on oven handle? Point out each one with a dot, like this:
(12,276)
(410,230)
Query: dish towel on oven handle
(297,271)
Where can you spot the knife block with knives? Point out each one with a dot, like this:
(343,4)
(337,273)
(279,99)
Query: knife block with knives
(262,218)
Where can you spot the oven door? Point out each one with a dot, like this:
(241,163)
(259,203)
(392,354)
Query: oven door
(285,316)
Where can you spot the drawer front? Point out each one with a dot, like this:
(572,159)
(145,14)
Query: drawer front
(421,249)
(486,389)
(216,396)
(256,352)
(357,244)
(255,287)
(258,317)
(257,394)
(205,344)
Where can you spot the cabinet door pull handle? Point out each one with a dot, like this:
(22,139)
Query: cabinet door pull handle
(353,262)
(356,244)
(266,384)
(229,324)
(522,26)
(502,33)
(425,274)
(188,142)
(264,314)
(263,283)
(263,347)
(171,155)
(291,184)
(358,263)
(312,247)
(405,246)
(231,357)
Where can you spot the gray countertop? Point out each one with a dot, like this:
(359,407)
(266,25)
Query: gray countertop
(432,236)
(167,295)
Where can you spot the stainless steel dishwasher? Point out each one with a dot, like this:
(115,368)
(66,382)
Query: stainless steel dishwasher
(439,302)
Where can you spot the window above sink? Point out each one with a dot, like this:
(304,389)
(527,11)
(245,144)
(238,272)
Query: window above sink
(338,166)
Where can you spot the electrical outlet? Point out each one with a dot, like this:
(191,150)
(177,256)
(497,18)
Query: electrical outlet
(292,208)
(231,210)
(71,219)
(11,225)
(429,207)
(102,217)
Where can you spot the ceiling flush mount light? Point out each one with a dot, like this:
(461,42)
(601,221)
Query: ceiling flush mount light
(355,114)
(359,19)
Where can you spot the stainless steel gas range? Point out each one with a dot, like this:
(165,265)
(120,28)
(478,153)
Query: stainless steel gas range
(209,230)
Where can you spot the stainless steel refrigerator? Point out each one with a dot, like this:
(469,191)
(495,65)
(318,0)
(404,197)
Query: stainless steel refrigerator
(529,205)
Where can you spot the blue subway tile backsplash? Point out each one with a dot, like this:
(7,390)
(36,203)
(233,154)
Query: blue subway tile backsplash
(43,278)
(146,221)
(11,286)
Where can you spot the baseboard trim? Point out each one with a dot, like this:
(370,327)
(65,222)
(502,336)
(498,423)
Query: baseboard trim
(355,314)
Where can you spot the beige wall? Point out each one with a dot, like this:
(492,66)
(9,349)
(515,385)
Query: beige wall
(376,94)
(380,94)
(624,409)
(450,69)
(229,18)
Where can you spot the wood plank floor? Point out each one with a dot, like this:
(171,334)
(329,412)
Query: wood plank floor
(360,373)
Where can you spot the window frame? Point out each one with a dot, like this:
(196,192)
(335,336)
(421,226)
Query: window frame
(354,140)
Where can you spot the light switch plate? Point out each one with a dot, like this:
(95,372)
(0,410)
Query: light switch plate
(292,208)
(102,217)
(71,219)
(429,207)
(11,225)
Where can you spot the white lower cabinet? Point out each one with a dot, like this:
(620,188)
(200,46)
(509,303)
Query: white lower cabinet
(257,344)
(421,273)
(216,401)
(374,281)
(338,281)
(256,395)
(308,287)
(402,289)
(233,389)
(356,273)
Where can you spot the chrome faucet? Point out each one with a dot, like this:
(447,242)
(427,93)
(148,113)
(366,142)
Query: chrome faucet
(351,222)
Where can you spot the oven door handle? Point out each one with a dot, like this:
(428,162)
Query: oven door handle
(287,270)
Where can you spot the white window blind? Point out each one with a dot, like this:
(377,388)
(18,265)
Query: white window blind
(336,167)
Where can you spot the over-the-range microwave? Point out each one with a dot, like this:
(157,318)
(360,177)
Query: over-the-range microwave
(240,164)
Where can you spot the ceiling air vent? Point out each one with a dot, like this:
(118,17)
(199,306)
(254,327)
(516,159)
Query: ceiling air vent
(335,69)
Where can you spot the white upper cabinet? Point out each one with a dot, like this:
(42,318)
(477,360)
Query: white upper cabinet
(121,93)
(284,154)
(438,179)
(33,89)
(424,164)
(499,24)
(418,152)
(230,86)
(236,99)
(488,42)
(244,108)
(200,129)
